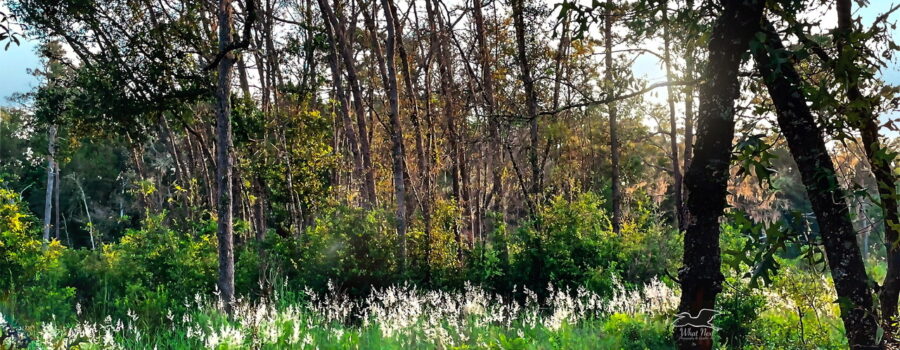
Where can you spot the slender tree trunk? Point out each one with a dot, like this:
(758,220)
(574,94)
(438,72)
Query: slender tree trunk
(518,8)
(438,47)
(609,82)
(51,166)
(344,49)
(87,213)
(56,190)
(224,160)
(707,178)
(344,113)
(495,158)
(425,200)
(673,121)
(397,152)
(829,203)
(242,76)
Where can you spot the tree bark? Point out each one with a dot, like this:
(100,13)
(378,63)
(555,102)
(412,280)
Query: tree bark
(829,203)
(51,166)
(224,164)
(398,155)
(860,111)
(56,189)
(707,178)
(613,123)
(518,8)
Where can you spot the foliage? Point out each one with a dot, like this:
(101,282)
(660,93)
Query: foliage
(29,268)
(739,308)
(150,270)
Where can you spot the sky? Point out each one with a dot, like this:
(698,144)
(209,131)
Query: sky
(14,66)
(16,62)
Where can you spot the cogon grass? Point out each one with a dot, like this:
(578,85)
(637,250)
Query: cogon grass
(400,316)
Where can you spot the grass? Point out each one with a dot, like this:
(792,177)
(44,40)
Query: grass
(400,317)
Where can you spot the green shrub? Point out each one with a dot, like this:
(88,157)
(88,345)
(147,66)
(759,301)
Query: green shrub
(29,268)
(739,307)
(148,271)
(637,332)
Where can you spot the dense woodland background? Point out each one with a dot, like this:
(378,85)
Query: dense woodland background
(185,165)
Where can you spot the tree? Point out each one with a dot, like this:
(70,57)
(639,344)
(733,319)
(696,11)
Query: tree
(398,153)
(518,8)
(613,114)
(224,61)
(860,112)
(707,178)
(829,203)
(51,169)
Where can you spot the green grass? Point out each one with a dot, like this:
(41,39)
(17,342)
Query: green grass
(393,318)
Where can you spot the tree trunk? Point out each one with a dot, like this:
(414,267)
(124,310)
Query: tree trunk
(495,159)
(344,113)
(51,166)
(518,8)
(56,189)
(673,121)
(224,160)
(613,124)
(425,200)
(688,119)
(880,164)
(87,213)
(397,152)
(446,77)
(344,49)
(707,178)
(808,148)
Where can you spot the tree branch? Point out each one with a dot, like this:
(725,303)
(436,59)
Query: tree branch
(245,37)
(619,97)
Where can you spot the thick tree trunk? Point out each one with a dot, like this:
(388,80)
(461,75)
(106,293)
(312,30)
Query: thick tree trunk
(613,124)
(808,148)
(707,178)
(224,166)
(51,167)
(867,124)
(688,127)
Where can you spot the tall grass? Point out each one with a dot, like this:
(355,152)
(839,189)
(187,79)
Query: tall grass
(397,317)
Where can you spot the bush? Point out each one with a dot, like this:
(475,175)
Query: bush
(637,332)
(739,308)
(355,249)
(150,271)
(29,268)
(571,243)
